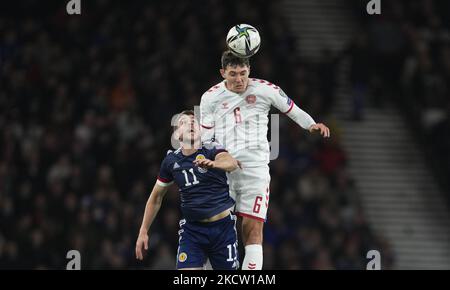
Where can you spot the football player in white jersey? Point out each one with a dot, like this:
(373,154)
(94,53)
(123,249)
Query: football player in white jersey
(235,113)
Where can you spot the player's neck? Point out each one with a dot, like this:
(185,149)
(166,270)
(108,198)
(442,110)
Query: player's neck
(189,149)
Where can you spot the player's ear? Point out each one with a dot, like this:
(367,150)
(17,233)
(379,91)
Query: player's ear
(222,73)
(179,136)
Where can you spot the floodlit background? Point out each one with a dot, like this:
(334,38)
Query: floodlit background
(86,102)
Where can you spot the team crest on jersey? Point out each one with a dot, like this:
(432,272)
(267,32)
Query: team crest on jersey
(224,105)
(200,157)
(250,99)
(182,257)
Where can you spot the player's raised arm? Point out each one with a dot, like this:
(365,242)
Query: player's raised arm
(151,210)
(226,162)
(283,103)
(223,161)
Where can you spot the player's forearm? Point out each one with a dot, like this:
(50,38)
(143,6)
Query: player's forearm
(151,210)
(301,117)
(226,163)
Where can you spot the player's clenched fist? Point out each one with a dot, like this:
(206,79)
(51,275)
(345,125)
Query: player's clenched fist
(142,242)
(324,131)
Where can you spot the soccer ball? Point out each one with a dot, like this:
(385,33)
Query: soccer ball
(243,40)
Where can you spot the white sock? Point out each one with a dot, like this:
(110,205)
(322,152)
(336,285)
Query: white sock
(253,259)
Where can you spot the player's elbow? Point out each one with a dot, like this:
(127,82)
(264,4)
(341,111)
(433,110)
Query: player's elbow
(233,165)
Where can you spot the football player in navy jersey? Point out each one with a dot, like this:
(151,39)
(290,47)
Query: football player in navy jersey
(208,227)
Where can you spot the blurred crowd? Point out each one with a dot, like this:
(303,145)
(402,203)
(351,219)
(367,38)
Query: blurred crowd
(85,109)
(404,55)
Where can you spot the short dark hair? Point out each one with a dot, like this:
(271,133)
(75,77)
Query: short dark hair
(229,59)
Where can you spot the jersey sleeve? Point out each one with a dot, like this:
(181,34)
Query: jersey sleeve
(214,149)
(280,100)
(206,118)
(283,103)
(165,177)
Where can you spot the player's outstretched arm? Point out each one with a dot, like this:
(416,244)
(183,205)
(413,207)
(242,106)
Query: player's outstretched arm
(151,210)
(283,103)
(306,121)
(223,161)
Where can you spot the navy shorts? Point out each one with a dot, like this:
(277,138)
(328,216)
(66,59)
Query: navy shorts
(215,240)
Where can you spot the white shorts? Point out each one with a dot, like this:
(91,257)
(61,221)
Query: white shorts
(249,187)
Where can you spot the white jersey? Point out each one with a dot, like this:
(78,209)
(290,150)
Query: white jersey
(239,121)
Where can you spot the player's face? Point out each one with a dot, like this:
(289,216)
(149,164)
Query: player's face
(188,128)
(236,77)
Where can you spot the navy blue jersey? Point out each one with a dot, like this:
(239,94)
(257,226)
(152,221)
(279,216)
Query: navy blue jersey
(204,192)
